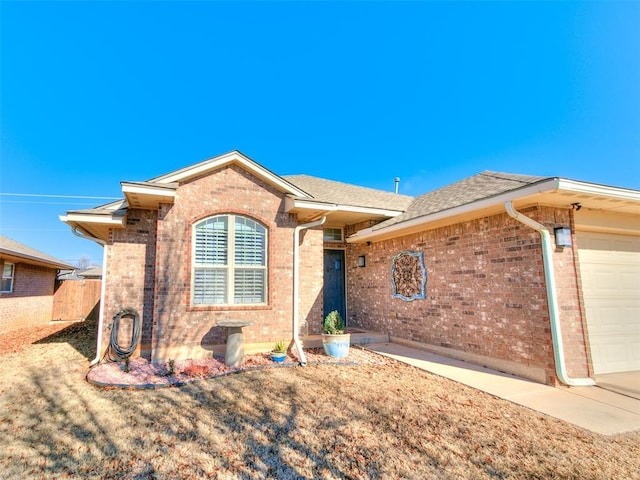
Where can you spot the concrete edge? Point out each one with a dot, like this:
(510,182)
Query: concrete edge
(535,374)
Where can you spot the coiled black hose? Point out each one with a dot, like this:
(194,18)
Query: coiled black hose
(135,333)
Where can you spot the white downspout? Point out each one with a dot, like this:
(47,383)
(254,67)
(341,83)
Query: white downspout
(77,233)
(552,299)
(296,281)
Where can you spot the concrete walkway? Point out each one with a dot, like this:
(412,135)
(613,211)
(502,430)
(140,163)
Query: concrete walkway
(593,408)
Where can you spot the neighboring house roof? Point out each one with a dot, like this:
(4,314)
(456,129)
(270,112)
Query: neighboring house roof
(81,273)
(15,251)
(487,192)
(91,272)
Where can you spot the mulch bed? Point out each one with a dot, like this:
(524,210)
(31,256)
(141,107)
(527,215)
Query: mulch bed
(140,373)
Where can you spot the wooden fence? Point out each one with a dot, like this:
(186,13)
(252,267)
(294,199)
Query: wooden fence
(77,299)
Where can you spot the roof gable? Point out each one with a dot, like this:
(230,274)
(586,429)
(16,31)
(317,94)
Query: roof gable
(233,157)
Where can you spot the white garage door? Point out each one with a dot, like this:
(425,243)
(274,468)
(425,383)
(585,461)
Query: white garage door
(610,270)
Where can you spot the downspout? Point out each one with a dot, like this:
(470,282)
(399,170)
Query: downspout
(296,281)
(85,236)
(552,299)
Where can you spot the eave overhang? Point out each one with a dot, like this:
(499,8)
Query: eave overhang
(95,224)
(148,195)
(309,210)
(17,257)
(556,192)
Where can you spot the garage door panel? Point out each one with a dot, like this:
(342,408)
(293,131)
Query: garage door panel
(610,277)
(620,281)
(616,356)
(606,317)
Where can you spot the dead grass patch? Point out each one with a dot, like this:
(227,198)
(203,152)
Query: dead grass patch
(326,422)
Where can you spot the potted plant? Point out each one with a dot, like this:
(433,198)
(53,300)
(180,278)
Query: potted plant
(279,352)
(334,341)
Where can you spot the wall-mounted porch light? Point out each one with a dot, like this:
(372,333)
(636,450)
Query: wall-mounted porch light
(361,261)
(563,236)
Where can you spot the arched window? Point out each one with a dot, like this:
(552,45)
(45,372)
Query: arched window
(229,261)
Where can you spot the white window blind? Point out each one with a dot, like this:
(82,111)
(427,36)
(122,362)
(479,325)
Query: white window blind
(216,280)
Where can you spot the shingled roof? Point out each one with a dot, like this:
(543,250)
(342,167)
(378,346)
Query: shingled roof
(14,249)
(330,191)
(483,185)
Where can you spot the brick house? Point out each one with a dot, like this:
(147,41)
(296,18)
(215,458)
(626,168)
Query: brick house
(27,285)
(474,270)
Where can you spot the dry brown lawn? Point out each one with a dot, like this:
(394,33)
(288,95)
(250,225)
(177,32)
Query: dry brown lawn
(334,421)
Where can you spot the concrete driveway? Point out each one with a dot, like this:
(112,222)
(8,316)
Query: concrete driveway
(626,383)
(594,408)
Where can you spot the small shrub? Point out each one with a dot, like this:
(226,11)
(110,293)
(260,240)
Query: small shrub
(171,370)
(280,347)
(126,365)
(333,324)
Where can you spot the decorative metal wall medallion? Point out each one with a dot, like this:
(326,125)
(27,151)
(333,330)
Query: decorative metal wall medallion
(408,276)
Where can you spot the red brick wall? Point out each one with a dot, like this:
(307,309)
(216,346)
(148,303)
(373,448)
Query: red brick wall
(570,301)
(149,268)
(130,273)
(311,280)
(485,292)
(31,301)
(183,330)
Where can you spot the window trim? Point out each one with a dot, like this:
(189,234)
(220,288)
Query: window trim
(229,268)
(12,277)
(333,240)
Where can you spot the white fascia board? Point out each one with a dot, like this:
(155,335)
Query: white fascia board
(163,190)
(599,190)
(370,234)
(32,258)
(292,203)
(232,157)
(104,219)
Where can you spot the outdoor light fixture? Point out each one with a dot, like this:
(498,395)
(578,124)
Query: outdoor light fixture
(361,261)
(563,236)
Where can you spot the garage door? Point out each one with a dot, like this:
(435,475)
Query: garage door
(610,270)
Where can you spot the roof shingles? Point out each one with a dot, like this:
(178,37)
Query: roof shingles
(483,185)
(330,191)
(17,249)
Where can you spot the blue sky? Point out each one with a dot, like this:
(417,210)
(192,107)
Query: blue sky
(93,93)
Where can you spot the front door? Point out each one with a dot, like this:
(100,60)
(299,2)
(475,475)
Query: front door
(334,282)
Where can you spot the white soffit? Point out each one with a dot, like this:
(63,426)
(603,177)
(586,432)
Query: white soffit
(104,219)
(294,204)
(148,196)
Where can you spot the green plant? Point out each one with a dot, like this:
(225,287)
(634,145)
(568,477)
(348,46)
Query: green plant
(171,371)
(280,347)
(333,324)
(126,365)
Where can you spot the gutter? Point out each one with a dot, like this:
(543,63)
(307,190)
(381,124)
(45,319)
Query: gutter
(86,236)
(552,299)
(296,281)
